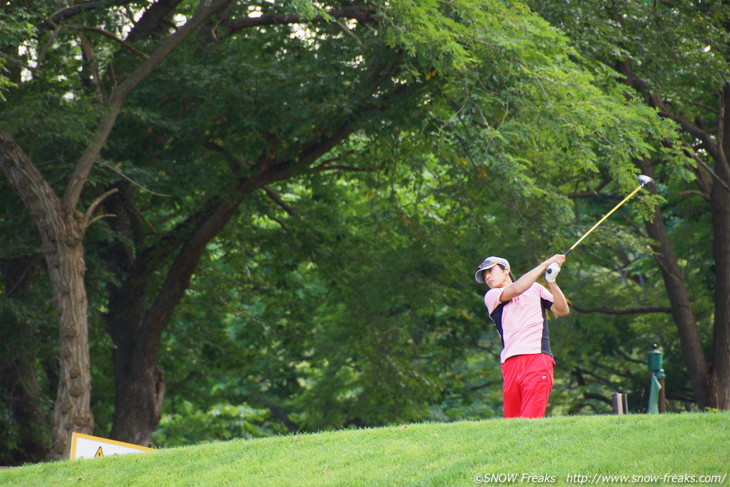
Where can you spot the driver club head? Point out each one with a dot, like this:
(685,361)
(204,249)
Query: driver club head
(645,179)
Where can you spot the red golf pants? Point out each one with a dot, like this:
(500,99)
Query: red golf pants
(528,380)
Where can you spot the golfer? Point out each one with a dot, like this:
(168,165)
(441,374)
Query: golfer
(517,308)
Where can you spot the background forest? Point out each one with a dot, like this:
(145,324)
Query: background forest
(228,218)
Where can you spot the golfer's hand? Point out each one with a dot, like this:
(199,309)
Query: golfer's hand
(555,262)
(552,272)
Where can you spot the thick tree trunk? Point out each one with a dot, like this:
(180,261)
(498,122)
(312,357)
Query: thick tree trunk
(138,379)
(62,233)
(72,410)
(140,391)
(136,328)
(719,381)
(692,352)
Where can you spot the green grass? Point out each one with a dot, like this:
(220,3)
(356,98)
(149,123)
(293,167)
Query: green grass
(552,449)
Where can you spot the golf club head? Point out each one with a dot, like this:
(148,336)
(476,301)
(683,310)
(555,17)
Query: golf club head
(645,179)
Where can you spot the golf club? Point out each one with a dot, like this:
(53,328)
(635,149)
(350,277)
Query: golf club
(642,181)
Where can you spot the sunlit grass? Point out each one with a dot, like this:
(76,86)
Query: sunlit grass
(559,450)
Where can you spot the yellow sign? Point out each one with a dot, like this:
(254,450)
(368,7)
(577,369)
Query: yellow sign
(87,446)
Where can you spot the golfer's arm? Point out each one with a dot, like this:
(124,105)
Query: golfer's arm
(523,283)
(560,304)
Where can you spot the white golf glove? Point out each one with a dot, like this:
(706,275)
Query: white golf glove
(552,272)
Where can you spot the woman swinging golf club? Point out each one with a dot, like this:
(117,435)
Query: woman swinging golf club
(518,311)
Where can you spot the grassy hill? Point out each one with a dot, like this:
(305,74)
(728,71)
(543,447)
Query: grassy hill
(670,449)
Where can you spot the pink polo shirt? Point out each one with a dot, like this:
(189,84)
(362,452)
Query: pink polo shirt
(521,321)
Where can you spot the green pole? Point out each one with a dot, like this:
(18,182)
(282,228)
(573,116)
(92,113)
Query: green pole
(654,388)
(656,391)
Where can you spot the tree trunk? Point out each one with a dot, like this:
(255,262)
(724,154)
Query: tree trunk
(138,380)
(62,232)
(139,392)
(136,328)
(692,352)
(65,259)
(719,380)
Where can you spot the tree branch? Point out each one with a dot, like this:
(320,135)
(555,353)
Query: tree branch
(629,311)
(47,46)
(707,140)
(643,87)
(17,62)
(130,180)
(347,31)
(68,12)
(90,60)
(95,205)
(152,19)
(276,197)
(598,397)
(35,192)
(361,14)
(602,380)
(323,167)
(703,181)
(591,193)
(237,162)
(489,383)
(111,36)
(120,93)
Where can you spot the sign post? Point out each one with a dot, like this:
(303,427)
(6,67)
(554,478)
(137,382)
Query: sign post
(87,446)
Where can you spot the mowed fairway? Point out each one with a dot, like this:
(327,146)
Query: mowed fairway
(672,449)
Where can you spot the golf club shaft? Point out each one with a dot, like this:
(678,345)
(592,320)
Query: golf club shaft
(602,219)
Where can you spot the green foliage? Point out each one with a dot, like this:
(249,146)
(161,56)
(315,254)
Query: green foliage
(27,329)
(681,50)
(472,124)
(5,83)
(222,421)
(16,25)
(678,52)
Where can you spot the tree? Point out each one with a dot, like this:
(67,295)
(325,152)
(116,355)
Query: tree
(475,86)
(62,226)
(383,98)
(674,57)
